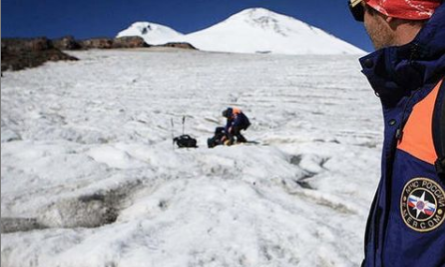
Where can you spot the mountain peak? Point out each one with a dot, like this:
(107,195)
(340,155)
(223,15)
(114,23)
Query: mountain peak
(259,15)
(152,33)
(258,12)
(254,30)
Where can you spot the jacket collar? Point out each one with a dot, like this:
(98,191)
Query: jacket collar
(394,72)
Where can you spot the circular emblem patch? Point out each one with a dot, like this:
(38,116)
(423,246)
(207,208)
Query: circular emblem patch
(423,204)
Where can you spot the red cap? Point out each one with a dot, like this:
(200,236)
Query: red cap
(405,9)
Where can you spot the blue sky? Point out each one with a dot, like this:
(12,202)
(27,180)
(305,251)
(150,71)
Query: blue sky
(105,18)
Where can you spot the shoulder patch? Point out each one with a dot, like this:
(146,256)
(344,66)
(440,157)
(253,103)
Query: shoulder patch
(422,204)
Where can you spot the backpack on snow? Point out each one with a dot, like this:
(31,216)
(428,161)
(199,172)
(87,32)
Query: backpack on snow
(217,138)
(185,140)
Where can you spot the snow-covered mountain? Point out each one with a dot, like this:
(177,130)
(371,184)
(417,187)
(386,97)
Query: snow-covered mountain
(255,30)
(152,33)
(261,30)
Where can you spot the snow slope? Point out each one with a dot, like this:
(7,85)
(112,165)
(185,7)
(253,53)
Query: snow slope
(255,30)
(152,33)
(89,176)
(260,30)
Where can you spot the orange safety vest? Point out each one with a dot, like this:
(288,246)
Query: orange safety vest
(236,111)
(417,137)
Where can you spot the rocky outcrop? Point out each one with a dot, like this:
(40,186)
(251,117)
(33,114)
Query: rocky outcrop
(67,43)
(129,42)
(19,54)
(179,45)
(97,43)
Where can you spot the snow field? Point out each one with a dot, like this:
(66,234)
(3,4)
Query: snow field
(90,176)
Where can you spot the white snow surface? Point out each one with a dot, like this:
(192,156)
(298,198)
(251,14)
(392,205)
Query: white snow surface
(89,175)
(152,33)
(254,30)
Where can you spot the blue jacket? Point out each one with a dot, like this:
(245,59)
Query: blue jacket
(406,224)
(238,120)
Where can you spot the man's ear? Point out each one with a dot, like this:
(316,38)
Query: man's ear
(394,23)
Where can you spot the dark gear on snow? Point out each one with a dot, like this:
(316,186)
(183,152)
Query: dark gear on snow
(218,138)
(185,140)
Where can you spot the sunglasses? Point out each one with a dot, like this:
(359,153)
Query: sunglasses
(357,10)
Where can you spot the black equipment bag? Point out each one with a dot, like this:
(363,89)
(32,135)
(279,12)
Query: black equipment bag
(217,138)
(185,140)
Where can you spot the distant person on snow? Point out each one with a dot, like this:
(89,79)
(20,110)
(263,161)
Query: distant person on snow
(231,133)
(236,122)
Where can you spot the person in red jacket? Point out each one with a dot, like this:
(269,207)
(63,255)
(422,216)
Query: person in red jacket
(406,222)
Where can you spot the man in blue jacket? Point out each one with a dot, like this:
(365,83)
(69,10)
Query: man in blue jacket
(406,223)
(236,122)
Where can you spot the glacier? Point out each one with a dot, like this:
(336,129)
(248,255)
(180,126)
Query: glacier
(90,177)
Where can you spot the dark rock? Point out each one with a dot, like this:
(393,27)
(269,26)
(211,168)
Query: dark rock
(67,43)
(97,43)
(129,42)
(18,53)
(18,44)
(179,45)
